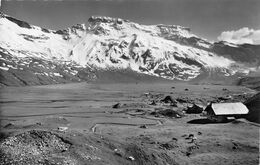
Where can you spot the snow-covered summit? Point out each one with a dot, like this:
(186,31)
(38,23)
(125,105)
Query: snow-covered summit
(95,19)
(167,51)
(104,25)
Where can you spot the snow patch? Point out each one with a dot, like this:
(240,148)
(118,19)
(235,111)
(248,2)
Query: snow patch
(4,68)
(57,74)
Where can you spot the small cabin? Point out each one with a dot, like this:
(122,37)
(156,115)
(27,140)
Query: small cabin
(220,112)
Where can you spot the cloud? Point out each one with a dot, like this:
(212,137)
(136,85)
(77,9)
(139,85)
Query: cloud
(241,36)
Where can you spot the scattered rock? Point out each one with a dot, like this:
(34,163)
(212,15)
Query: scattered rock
(118,152)
(33,147)
(147,94)
(174,139)
(235,146)
(224,89)
(156,115)
(194,109)
(131,158)
(199,133)
(178,116)
(188,153)
(62,129)
(38,123)
(169,99)
(116,105)
(191,149)
(153,103)
(143,126)
(193,139)
(186,89)
(191,136)
(218,144)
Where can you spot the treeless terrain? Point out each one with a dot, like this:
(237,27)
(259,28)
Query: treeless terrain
(126,123)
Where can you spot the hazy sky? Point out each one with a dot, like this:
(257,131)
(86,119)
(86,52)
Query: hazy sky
(206,18)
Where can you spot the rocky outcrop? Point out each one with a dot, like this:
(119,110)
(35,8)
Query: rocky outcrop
(33,147)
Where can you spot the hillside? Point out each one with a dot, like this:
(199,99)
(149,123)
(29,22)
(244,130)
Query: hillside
(31,55)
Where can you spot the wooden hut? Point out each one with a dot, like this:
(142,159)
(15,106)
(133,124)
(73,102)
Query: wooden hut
(219,112)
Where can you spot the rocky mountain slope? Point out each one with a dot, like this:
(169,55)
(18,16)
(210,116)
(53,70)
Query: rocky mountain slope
(31,55)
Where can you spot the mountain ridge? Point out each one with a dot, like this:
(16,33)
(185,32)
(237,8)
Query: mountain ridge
(166,51)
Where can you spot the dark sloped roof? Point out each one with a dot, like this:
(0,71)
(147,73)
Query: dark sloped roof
(253,104)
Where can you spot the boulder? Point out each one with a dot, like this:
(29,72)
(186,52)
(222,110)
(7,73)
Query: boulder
(195,109)
(169,99)
(117,105)
(153,103)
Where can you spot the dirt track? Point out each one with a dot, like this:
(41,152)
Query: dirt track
(129,134)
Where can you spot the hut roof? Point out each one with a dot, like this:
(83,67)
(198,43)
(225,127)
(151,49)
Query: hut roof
(229,108)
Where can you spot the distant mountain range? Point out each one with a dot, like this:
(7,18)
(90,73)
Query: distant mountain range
(31,55)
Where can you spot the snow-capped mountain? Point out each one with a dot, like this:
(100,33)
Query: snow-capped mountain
(105,44)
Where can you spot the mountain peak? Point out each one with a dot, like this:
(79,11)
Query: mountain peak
(78,27)
(167,51)
(103,19)
(174,27)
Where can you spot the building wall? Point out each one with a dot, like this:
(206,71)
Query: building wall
(214,118)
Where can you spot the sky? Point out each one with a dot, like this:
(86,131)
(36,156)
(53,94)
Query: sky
(236,21)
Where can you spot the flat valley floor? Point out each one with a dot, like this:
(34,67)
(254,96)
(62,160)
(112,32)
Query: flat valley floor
(77,124)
